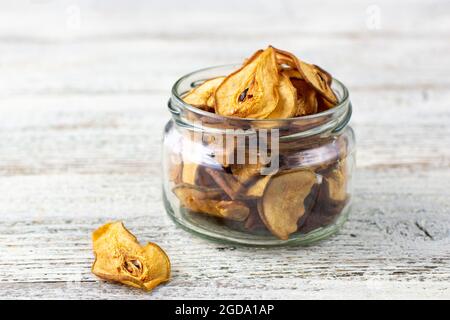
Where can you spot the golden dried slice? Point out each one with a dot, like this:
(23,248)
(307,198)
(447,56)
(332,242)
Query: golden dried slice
(256,190)
(287,103)
(318,79)
(292,73)
(284,58)
(199,192)
(335,183)
(246,173)
(306,98)
(119,257)
(282,204)
(251,91)
(203,95)
(195,174)
(202,201)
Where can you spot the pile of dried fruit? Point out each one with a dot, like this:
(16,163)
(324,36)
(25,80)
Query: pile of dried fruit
(119,257)
(271,84)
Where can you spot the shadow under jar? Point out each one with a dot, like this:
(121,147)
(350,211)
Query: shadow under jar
(257,182)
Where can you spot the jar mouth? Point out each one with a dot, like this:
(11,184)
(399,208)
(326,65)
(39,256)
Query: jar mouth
(184,112)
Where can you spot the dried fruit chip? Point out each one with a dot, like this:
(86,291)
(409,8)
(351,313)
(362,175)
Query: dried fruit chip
(253,221)
(256,190)
(318,79)
(306,98)
(336,183)
(226,181)
(251,91)
(203,95)
(119,257)
(282,204)
(287,103)
(195,174)
(246,173)
(208,201)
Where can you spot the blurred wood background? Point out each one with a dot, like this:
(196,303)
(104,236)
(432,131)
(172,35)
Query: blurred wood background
(83,92)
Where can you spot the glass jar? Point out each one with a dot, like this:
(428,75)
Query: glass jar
(257,182)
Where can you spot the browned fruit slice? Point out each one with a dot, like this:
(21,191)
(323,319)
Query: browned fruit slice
(198,200)
(245,173)
(251,91)
(323,104)
(284,58)
(318,79)
(287,103)
(203,95)
(292,73)
(256,190)
(335,183)
(195,174)
(282,204)
(119,257)
(253,221)
(225,181)
(306,98)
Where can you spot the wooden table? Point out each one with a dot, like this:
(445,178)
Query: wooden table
(83,92)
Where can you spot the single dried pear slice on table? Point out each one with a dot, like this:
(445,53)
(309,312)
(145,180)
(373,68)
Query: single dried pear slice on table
(202,200)
(282,204)
(119,257)
(203,95)
(251,91)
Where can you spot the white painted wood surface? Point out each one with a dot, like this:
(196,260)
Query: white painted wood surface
(83,91)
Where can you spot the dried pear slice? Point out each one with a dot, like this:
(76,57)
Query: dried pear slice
(306,98)
(318,79)
(225,181)
(203,96)
(251,91)
(282,204)
(119,257)
(246,173)
(195,174)
(292,73)
(287,103)
(335,183)
(256,190)
(253,221)
(199,201)
(199,192)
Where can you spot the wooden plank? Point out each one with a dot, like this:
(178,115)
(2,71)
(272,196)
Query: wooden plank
(396,239)
(152,66)
(48,20)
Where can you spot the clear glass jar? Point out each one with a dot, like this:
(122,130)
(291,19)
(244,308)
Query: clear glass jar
(257,182)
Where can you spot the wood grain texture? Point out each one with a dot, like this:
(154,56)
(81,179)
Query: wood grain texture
(83,104)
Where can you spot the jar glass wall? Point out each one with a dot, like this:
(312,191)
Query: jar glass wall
(257,182)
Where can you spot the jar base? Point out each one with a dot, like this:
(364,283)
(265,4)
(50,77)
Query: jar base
(202,226)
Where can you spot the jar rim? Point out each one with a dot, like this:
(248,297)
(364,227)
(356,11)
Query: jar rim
(331,120)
